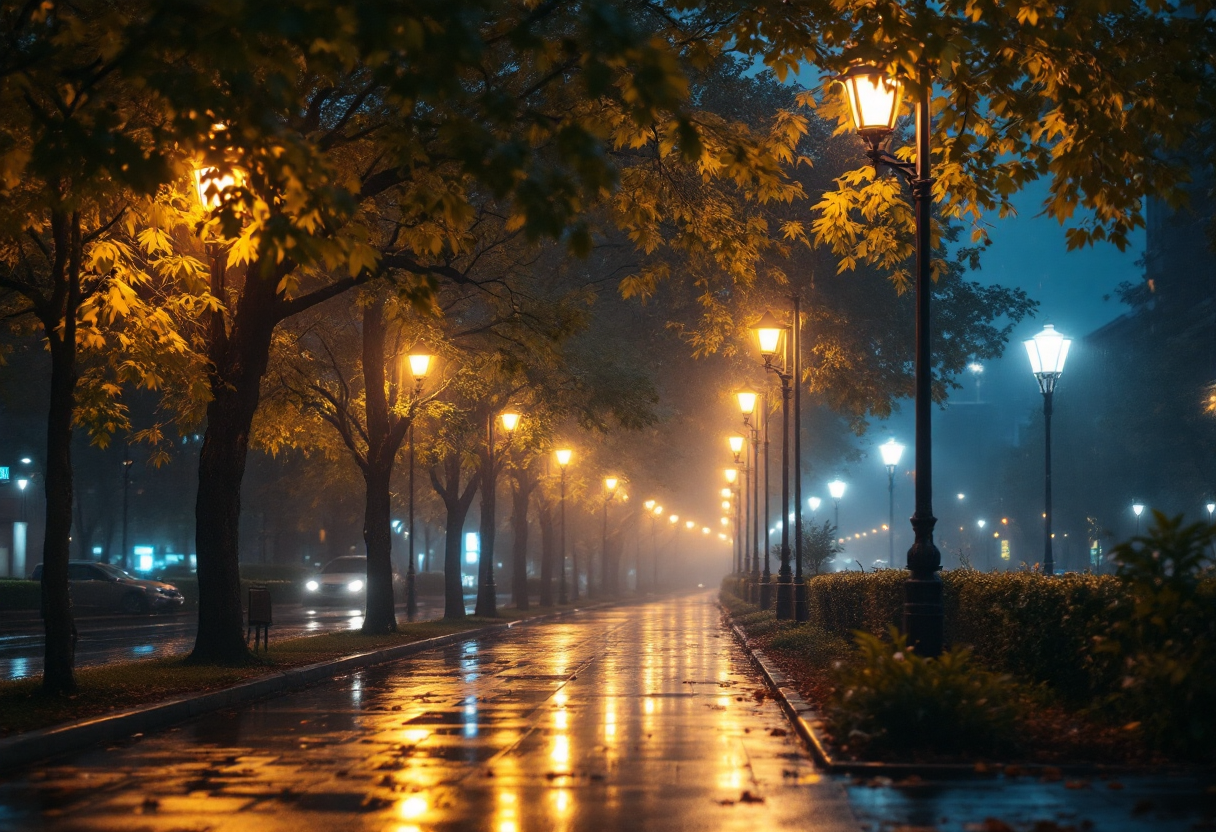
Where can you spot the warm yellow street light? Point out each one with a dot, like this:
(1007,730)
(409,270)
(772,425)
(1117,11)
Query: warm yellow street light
(725,492)
(705,530)
(873,100)
(658,509)
(732,474)
(736,446)
(689,524)
(563,456)
(747,401)
(725,521)
(675,518)
(610,484)
(420,365)
(768,332)
(510,421)
(648,505)
(726,505)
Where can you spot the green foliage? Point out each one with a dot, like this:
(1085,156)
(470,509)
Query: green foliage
(894,700)
(813,643)
(20,595)
(1039,629)
(843,602)
(1165,639)
(820,545)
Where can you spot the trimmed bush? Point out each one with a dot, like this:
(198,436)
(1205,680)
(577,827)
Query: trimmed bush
(813,643)
(1037,628)
(20,595)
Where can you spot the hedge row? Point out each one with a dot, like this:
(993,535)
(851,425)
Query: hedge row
(1037,628)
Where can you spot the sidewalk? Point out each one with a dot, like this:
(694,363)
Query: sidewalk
(627,718)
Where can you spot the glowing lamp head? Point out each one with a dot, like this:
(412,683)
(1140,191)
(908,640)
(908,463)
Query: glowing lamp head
(1047,352)
(873,101)
(563,456)
(724,521)
(768,333)
(814,503)
(747,401)
(658,510)
(21,484)
(688,524)
(732,474)
(648,505)
(675,518)
(1211,507)
(891,452)
(981,523)
(610,484)
(836,489)
(705,530)
(510,421)
(210,184)
(420,365)
(1137,509)
(726,505)
(736,445)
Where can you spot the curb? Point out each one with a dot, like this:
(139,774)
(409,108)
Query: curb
(803,718)
(33,746)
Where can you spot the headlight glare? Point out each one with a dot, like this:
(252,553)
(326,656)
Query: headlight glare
(312,586)
(355,586)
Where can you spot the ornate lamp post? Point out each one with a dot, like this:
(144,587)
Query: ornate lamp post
(654,550)
(1047,352)
(420,368)
(874,101)
(768,333)
(891,452)
(747,406)
(563,459)
(610,484)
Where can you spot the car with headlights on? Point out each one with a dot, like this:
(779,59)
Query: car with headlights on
(102,588)
(344,581)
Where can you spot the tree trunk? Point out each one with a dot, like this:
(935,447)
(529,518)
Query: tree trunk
(60,650)
(381,613)
(548,551)
(238,363)
(457,503)
(519,548)
(385,434)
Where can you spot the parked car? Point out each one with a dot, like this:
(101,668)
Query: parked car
(102,588)
(344,581)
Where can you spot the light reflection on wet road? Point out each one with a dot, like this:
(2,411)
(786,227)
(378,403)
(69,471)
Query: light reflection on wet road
(123,638)
(633,718)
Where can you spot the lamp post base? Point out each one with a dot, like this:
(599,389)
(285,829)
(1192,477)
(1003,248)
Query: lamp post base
(785,599)
(924,616)
(766,593)
(802,612)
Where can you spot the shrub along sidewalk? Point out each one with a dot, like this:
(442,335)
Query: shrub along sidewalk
(1070,668)
(114,688)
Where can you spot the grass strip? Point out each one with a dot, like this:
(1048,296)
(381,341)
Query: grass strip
(113,688)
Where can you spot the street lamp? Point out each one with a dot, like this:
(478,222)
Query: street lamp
(1211,507)
(487,590)
(731,474)
(126,500)
(874,102)
(748,399)
(420,368)
(610,484)
(736,446)
(21,484)
(768,332)
(836,491)
(891,452)
(563,459)
(1047,352)
(1137,509)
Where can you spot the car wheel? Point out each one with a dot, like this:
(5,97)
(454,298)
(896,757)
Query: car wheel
(134,604)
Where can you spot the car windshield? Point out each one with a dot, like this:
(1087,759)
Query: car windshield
(345,565)
(114,571)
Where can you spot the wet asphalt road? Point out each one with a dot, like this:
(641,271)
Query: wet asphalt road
(633,718)
(118,638)
(630,718)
